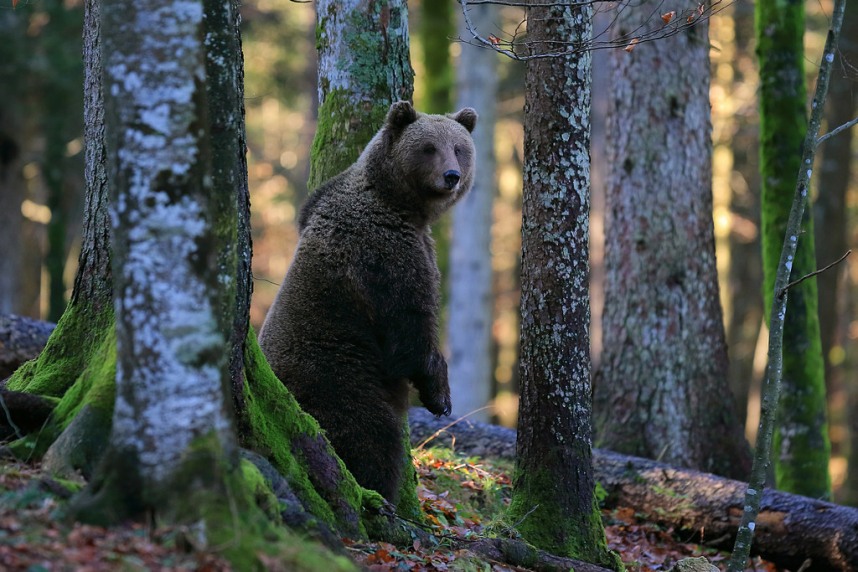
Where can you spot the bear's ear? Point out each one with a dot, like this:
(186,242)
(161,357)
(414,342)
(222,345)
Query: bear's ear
(401,115)
(467,117)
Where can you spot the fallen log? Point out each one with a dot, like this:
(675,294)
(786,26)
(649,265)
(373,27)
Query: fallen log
(21,339)
(700,507)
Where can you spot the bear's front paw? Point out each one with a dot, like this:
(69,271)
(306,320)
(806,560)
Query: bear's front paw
(435,394)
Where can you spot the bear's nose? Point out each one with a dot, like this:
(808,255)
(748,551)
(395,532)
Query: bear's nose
(451,178)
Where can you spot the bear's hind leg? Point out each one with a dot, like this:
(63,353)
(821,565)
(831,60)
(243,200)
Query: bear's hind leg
(372,449)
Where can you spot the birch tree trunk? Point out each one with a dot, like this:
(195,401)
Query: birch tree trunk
(801,438)
(662,390)
(469,326)
(553,490)
(363,68)
(171,413)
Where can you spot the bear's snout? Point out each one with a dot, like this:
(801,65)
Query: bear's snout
(451,179)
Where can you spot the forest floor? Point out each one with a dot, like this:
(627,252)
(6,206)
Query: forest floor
(462,498)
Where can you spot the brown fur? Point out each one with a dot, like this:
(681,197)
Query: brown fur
(356,317)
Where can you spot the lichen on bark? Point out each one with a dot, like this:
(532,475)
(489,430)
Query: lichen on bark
(553,488)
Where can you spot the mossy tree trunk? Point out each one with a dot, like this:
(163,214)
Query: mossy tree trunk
(172,433)
(88,320)
(437,26)
(830,213)
(364,67)
(553,489)
(662,390)
(469,326)
(801,449)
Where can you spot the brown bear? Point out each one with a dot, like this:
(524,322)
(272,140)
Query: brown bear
(356,317)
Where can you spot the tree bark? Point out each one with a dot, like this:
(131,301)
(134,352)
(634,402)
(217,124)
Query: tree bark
(170,409)
(802,447)
(225,96)
(363,68)
(469,326)
(745,275)
(662,388)
(553,489)
(12,55)
(701,507)
(830,213)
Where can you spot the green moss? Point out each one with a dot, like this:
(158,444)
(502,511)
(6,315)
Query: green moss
(408,505)
(87,402)
(214,498)
(276,422)
(546,525)
(437,26)
(68,351)
(344,128)
(263,496)
(378,73)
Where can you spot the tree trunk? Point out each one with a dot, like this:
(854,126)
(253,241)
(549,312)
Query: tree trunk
(437,26)
(553,490)
(169,308)
(12,54)
(88,320)
(469,326)
(701,507)
(745,275)
(662,388)
(830,221)
(363,68)
(225,93)
(801,438)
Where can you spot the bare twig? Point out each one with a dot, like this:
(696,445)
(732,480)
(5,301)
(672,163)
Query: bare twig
(513,48)
(783,290)
(837,130)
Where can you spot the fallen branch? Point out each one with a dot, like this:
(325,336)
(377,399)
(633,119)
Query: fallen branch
(698,506)
(21,339)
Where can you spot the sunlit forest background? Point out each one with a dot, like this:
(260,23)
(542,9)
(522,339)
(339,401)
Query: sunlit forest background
(41,203)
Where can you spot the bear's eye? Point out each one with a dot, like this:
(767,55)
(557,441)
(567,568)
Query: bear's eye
(458,151)
(429,149)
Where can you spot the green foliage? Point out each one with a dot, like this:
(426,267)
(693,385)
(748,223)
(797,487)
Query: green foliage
(802,448)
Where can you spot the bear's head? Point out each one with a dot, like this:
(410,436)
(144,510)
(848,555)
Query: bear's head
(425,162)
